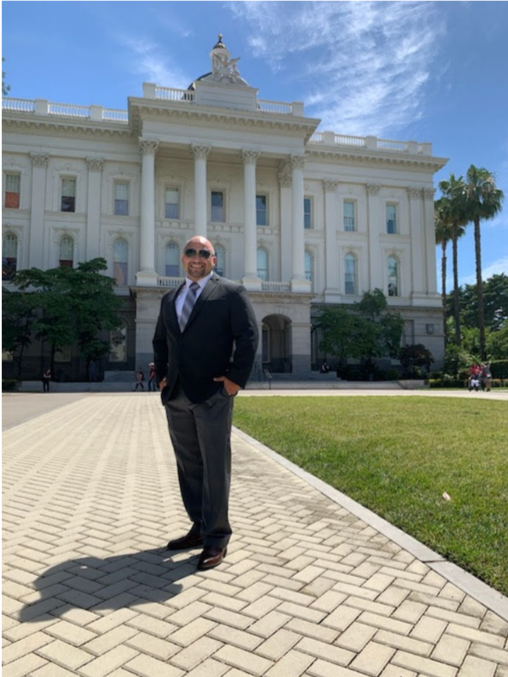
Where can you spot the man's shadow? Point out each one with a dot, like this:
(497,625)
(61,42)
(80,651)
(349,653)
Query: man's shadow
(109,584)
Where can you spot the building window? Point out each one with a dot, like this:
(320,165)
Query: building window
(118,344)
(9,256)
(172,260)
(68,198)
(393,276)
(307,213)
(121,262)
(218,207)
(172,204)
(391,219)
(309,266)
(350,274)
(12,190)
(261,210)
(66,252)
(121,199)
(262,264)
(349,216)
(220,266)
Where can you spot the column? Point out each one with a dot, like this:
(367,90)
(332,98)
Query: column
(331,263)
(250,279)
(37,209)
(418,253)
(147,276)
(93,210)
(200,195)
(286,238)
(298,281)
(429,242)
(376,260)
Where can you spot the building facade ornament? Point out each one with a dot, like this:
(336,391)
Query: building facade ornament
(414,192)
(373,188)
(429,193)
(200,152)
(224,69)
(94,164)
(39,159)
(297,162)
(250,156)
(148,146)
(330,186)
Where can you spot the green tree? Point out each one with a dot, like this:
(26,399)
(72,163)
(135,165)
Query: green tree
(483,202)
(497,344)
(413,357)
(5,88)
(442,228)
(495,303)
(76,305)
(17,324)
(363,331)
(452,207)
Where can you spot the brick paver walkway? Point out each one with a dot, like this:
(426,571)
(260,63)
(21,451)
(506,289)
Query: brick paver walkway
(308,587)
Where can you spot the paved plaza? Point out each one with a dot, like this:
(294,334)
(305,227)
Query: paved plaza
(313,585)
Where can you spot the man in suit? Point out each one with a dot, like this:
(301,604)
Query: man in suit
(204,345)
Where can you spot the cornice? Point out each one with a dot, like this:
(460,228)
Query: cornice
(149,109)
(61,126)
(379,157)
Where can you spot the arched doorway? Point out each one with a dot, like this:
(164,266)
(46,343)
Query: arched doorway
(276,344)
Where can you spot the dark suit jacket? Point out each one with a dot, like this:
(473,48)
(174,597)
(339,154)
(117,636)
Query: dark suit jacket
(220,339)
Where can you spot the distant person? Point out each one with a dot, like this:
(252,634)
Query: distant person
(140,377)
(152,385)
(325,369)
(46,378)
(92,371)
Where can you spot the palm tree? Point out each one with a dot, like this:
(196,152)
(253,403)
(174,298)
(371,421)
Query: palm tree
(483,201)
(454,206)
(443,234)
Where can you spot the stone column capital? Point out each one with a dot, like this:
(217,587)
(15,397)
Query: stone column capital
(199,152)
(414,192)
(250,156)
(297,161)
(372,188)
(285,180)
(39,159)
(94,164)
(330,186)
(428,193)
(148,146)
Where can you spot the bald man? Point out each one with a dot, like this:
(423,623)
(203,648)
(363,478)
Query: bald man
(204,345)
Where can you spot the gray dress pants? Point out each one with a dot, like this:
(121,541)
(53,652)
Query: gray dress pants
(201,438)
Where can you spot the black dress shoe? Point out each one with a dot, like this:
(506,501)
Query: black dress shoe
(190,540)
(211,557)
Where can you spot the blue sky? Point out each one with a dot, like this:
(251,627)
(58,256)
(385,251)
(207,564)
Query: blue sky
(424,71)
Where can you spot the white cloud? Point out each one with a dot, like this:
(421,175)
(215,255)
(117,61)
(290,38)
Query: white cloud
(152,63)
(363,65)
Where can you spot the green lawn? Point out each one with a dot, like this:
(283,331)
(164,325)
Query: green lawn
(397,456)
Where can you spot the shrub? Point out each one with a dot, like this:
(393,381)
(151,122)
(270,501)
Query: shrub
(9,384)
(499,368)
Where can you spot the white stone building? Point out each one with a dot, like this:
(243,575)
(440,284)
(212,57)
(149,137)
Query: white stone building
(302,218)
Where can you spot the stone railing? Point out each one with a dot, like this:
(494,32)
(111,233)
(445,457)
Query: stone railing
(276,286)
(169,282)
(44,107)
(371,143)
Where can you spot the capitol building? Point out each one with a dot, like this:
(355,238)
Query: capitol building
(302,218)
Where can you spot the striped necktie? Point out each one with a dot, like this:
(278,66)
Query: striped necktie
(188,305)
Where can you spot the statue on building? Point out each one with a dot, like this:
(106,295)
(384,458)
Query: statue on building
(224,69)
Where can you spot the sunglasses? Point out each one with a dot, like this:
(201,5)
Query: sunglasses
(202,253)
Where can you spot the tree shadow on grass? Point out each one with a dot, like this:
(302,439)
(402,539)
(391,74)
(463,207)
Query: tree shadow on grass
(116,582)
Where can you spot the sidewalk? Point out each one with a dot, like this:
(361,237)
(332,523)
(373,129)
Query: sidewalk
(313,585)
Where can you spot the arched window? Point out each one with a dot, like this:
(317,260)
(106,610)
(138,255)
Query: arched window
(350,274)
(172,260)
(118,344)
(262,264)
(9,256)
(121,262)
(66,252)
(309,266)
(220,266)
(393,276)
